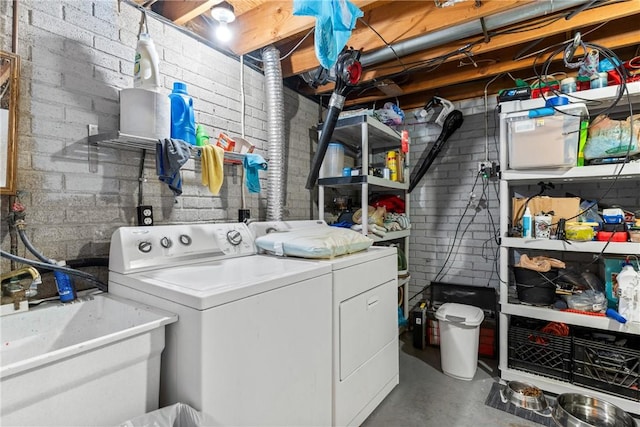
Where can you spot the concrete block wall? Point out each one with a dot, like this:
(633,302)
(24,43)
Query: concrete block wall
(76,56)
(454,211)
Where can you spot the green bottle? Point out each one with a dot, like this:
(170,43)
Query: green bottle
(202,138)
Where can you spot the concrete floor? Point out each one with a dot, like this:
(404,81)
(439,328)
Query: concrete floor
(426,397)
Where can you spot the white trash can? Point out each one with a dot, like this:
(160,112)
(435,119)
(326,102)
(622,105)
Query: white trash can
(459,339)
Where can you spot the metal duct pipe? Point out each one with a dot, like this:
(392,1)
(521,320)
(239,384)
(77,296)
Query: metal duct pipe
(468,29)
(275,133)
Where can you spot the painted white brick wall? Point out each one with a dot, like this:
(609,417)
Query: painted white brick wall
(76,56)
(446,218)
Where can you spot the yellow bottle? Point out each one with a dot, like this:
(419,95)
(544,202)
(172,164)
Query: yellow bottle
(392,165)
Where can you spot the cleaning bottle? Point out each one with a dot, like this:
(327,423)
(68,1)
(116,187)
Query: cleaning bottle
(526,223)
(146,74)
(628,285)
(183,124)
(202,137)
(64,284)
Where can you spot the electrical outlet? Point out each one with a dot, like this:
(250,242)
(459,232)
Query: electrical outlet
(145,215)
(482,166)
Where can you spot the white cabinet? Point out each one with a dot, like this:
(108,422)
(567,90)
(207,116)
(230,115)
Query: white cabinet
(509,306)
(370,139)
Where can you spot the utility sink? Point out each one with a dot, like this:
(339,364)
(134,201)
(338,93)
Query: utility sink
(95,361)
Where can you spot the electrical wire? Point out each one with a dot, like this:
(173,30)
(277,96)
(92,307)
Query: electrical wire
(455,235)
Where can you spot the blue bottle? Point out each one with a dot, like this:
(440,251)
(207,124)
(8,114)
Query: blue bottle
(183,124)
(64,284)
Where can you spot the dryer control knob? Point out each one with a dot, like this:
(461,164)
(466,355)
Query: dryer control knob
(144,247)
(185,239)
(234,237)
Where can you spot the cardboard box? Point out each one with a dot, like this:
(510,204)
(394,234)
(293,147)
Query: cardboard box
(562,207)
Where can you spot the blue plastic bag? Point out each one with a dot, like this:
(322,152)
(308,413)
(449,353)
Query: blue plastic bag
(334,21)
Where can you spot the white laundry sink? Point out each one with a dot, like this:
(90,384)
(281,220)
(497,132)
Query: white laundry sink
(92,362)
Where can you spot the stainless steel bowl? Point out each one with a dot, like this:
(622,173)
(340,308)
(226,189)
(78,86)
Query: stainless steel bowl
(524,395)
(578,410)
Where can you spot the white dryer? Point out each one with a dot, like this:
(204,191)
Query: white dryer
(252,343)
(365,354)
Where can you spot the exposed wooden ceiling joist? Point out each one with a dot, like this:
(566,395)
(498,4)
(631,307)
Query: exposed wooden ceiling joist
(261,23)
(503,65)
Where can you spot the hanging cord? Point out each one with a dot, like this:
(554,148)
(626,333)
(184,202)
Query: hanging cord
(141,178)
(143,22)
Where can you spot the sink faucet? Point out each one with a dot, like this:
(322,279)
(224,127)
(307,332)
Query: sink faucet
(16,293)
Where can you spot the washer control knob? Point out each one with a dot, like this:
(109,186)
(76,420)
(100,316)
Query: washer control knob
(144,247)
(185,240)
(234,237)
(166,242)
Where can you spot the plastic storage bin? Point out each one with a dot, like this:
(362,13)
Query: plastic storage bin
(545,141)
(459,339)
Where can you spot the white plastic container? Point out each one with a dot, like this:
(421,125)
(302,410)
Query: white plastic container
(146,73)
(459,339)
(333,162)
(628,293)
(145,113)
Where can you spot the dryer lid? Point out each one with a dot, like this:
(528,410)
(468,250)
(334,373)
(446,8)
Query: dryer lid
(212,283)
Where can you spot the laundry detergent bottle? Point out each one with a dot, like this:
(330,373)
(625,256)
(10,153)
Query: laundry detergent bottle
(146,74)
(183,124)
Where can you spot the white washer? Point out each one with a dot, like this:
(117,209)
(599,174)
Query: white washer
(252,342)
(365,324)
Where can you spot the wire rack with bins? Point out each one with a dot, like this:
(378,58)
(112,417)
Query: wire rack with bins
(510,307)
(368,136)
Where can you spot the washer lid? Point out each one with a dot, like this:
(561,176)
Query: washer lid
(212,283)
(460,313)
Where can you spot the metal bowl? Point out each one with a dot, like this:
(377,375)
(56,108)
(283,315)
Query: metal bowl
(578,410)
(524,395)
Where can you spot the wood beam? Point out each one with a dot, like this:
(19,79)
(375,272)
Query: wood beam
(271,22)
(398,21)
(181,12)
(587,18)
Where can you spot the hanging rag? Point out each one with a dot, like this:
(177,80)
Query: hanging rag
(171,154)
(334,21)
(212,167)
(252,163)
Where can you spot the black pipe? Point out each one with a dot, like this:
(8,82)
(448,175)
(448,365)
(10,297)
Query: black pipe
(87,262)
(335,107)
(451,124)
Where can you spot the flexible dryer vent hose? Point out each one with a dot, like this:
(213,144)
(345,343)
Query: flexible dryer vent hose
(275,133)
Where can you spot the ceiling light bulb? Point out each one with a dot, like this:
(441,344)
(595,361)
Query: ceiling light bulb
(223,33)
(223,12)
